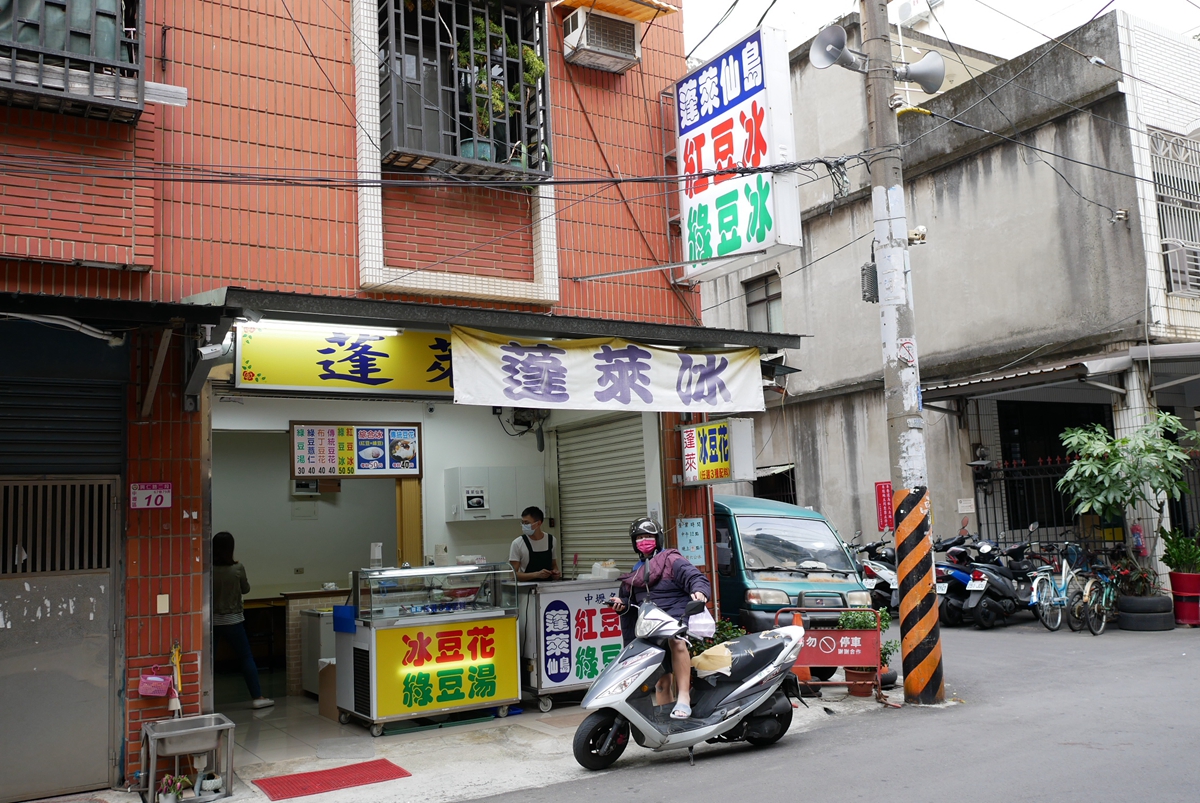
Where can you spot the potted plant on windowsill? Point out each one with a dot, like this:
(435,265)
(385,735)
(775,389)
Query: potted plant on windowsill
(1181,554)
(860,679)
(483,55)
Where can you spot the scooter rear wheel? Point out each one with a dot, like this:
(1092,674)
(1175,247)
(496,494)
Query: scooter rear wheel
(590,738)
(785,722)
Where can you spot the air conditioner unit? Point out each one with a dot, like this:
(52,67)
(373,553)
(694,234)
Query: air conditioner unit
(602,41)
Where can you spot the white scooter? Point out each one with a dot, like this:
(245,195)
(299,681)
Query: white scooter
(747,704)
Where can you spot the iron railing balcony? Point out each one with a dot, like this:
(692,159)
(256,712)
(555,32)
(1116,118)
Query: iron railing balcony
(77,57)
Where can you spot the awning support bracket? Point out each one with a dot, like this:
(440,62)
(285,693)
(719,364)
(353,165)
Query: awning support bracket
(1102,385)
(1174,382)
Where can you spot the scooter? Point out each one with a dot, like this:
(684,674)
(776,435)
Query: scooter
(998,590)
(879,573)
(750,703)
(951,578)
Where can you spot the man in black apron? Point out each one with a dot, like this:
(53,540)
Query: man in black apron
(532,553)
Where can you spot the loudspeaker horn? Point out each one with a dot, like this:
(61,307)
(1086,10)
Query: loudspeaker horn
(829,48)
(929,72)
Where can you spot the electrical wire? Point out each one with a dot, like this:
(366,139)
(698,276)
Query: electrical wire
(764,14)
(704,39)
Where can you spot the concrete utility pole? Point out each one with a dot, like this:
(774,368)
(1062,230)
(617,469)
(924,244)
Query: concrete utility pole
(921,647)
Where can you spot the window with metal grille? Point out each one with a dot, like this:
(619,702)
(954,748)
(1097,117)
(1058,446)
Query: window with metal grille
(56,525)
(607,33)
(764,303)
(76,57)
(1175,161)
(1182,262)
(462,87)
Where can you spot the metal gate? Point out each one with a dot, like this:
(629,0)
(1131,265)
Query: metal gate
(58,537)
(601,490)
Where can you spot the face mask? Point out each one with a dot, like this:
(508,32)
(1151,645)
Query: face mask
(526,529)
(646,545)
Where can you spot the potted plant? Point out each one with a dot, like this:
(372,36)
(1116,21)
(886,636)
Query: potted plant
(1110,475)
(482,55)
(860,679)
(887,675)
(171,786)
(1181,554)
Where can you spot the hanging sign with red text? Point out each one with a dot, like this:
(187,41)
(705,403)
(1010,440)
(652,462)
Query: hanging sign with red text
(736,112)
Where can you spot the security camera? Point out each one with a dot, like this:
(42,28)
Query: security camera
(212,351)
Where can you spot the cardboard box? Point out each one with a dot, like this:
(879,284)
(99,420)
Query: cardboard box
(327,692)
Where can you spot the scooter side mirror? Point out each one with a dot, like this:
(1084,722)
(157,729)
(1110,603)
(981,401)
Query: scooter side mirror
(693,607)
(1033,527)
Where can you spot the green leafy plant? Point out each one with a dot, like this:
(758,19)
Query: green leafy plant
(493,100)
(886,651)
(1135,580)
(1110,474)
(726,631)
(864,619)
(1181,553)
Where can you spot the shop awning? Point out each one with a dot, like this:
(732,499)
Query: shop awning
(112,311)
(440,317)
(1095,371)
(640,10)
(770,471)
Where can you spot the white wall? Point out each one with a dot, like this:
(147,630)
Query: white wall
(252,499)
(454,435)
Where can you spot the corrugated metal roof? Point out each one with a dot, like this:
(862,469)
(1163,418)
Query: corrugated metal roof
(640,10)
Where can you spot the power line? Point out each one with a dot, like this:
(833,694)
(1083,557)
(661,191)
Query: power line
(724,17)
(765,13)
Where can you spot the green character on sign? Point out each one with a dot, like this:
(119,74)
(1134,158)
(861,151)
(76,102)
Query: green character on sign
(760,218)
(727,224)
(609,652)
(483,681)
(418,689)
(450,685)
(586,666)
(699,233)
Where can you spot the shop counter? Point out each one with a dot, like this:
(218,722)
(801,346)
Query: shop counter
(568,635)
(427,641)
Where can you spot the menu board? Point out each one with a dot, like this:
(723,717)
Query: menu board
(355,450)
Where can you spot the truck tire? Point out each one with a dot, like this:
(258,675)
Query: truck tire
(1155,604)
(1146,621)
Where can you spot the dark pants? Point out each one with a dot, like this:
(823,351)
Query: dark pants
(240,642)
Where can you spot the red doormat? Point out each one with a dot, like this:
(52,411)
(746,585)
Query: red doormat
(282,787)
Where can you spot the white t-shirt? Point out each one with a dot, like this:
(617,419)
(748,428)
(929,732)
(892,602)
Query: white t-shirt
(519,553)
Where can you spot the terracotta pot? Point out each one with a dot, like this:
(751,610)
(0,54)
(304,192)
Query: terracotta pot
(861,681)
(1185,588)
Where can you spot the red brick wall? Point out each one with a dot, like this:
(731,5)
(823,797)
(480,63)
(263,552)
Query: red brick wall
(163,552)
(479,231)
(56,209)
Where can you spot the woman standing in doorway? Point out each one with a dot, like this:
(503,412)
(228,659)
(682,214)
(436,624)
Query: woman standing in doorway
(229,623)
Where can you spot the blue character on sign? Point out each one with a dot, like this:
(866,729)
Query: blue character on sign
(556,646)
(534,373)
(622,372)
(361,358)
(700,379)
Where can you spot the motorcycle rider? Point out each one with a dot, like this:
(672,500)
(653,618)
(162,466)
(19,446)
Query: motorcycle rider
(669,580)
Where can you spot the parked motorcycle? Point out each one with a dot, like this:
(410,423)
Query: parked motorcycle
(879,573)
(749,704)
(951,577)
(1001,583)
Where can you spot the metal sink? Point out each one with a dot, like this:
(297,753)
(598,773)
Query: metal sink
(188,735)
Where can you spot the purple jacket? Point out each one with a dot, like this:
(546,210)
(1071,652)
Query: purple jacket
(672,581)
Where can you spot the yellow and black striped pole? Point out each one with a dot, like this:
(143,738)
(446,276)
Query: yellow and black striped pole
(920,638)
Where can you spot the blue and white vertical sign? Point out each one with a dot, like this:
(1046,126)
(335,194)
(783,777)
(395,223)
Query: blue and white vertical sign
(689,534)
(736,112)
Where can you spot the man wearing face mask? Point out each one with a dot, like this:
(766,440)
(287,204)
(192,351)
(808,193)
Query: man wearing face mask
(669,580)
(532,553)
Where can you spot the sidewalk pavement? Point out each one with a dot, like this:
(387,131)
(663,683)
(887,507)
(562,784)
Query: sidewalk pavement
(461,762)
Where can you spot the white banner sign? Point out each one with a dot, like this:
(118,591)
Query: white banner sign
(601,374)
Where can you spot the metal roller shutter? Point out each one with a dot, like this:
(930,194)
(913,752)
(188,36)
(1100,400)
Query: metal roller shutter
(596,507)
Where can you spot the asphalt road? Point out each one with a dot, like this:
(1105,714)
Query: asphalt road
(1043,717)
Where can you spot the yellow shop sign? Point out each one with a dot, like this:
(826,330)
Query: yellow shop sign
(446,665)
(342,359)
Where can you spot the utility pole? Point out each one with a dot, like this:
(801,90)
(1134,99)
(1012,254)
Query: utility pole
(921,647)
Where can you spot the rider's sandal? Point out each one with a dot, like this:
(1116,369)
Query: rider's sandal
(681,711)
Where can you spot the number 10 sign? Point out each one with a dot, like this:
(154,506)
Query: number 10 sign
(149,495)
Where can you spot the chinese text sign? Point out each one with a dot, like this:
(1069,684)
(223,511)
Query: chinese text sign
(580,636)
(884,514)
(602,374)
(706,456)
(734,112)
(287,356)
(446,665)
(689,535)
(349,450)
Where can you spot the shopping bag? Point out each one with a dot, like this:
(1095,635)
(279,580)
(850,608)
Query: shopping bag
(155,684)
(702,625)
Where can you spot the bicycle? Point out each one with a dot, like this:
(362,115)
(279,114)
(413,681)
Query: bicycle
(1053,597)
(1100,596)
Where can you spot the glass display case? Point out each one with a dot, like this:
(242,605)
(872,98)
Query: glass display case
(391,594)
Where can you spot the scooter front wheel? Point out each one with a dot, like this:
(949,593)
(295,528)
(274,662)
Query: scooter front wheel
(593,747)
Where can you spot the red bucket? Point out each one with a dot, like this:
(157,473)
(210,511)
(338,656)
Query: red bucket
(1185,588)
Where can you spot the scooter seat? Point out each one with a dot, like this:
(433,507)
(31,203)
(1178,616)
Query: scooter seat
(751,653)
